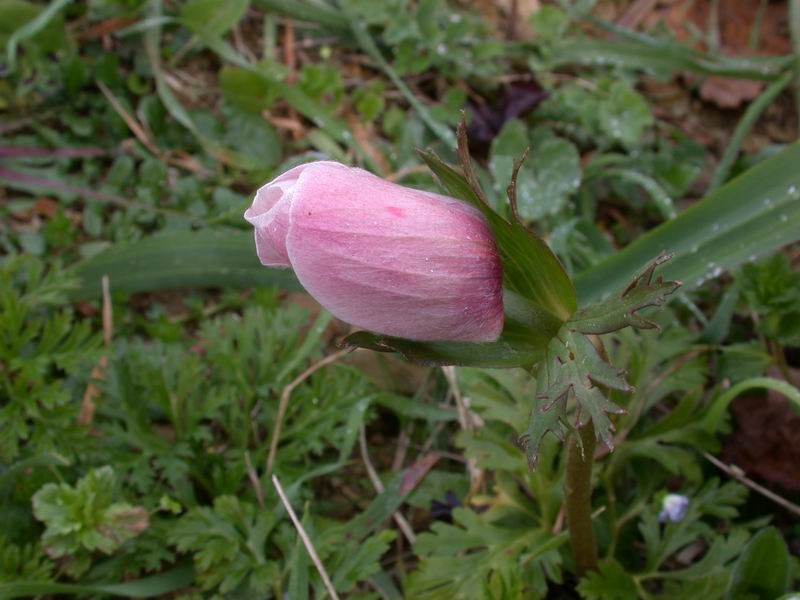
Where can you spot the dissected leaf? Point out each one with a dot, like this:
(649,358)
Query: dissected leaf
(546,414)
(573,368)
(616,313)
(227,542)
(475,558)
(609,582)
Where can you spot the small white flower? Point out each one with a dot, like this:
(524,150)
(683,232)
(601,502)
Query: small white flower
(673,508)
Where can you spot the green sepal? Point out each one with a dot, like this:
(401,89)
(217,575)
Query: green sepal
(500,354)
(530,268)
(620,312)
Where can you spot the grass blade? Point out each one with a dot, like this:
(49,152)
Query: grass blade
(156,586)
(30,29)
(750,116)
(665,57)
(186,259)
(752,215)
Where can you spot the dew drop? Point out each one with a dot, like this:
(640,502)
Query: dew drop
(715,227)
(784,218)
(768,201)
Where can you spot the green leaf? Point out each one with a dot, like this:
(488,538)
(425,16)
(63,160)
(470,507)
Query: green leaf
(624,114)
(212,18)
(172,260)
(609,582)
(324,14)
(662,57)
(762,570)
(247,88)
(477,557)
(771,288)
(530,269)
(85,517)
(751,215)
(549,24)
(617,313)
(751,115)
(156,586)
(572,368)
(227,542)
(298,568)
(251,136)
(30,23)
(719,405)
(23,563)
(371,49)
(546,180)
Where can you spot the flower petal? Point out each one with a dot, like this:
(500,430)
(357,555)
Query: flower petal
(394,260)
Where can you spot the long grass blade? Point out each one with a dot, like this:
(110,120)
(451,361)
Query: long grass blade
(751,215)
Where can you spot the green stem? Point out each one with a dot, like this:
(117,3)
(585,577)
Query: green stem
(578,499)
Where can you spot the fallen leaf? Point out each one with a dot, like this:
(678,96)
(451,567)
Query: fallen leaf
(766,441)
(730,93)
(45,207)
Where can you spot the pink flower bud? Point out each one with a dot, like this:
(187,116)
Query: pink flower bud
(390,259)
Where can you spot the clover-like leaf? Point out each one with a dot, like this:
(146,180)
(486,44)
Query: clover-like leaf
(620,312)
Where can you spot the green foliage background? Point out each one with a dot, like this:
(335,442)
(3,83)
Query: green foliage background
(133,133)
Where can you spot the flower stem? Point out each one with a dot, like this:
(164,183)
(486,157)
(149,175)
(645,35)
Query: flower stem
(578,499)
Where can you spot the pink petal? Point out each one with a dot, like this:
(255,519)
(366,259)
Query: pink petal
(394,260)
(269,215)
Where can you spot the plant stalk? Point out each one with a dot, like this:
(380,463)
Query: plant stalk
(578,499)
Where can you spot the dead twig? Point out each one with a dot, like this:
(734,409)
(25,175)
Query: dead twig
(306,540)
(740,476)
(253,476)
(636,13)
(467,421)
(138,130)
(86,415)
(398,517)
(290,59)
(406,171)
(364,137)
(401,450)
(284,402)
